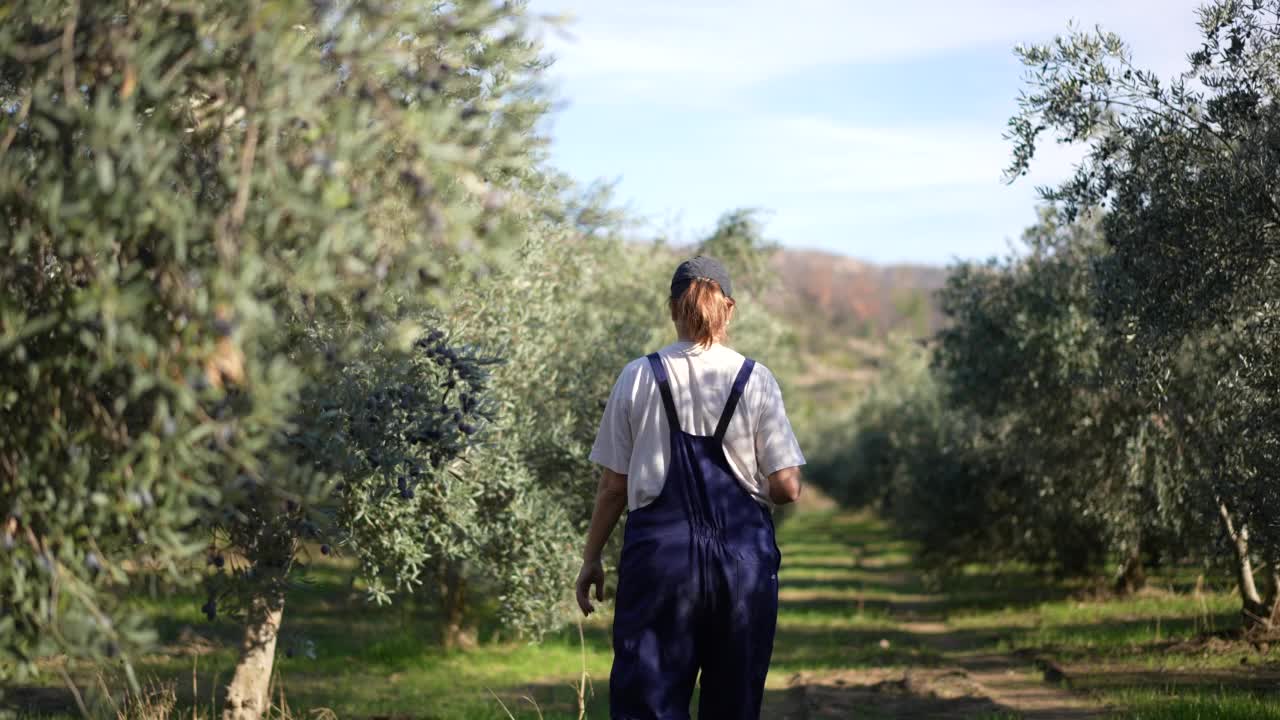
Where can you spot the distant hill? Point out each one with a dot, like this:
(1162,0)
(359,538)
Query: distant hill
(842,311)
(831,294)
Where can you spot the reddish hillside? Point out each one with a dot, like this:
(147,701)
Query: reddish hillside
(828,293)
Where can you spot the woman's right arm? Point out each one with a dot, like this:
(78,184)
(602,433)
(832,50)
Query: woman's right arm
(611,500)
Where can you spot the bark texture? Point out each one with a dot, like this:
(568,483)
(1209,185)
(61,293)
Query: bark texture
(1272,600)
(247,692)
(1132,576)
(1258,613)
(453,602)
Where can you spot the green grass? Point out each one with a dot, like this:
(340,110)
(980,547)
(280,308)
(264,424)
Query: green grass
(368,660)
(1159,654)
(1117,629)
(832,613)
(846,584)
(1155,704)
(384,661)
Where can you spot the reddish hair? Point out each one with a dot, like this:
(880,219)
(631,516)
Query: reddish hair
(701,313)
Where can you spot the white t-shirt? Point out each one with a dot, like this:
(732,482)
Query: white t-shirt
(634,438)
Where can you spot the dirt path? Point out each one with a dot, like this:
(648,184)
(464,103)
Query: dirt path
(960,683)
(1011,682)
(947,673)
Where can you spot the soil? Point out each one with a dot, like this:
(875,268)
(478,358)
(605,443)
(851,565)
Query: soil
(958,682)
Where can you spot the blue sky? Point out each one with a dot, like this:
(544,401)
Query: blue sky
(871,129)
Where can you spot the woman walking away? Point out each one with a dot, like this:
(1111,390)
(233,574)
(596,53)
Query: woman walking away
(695,443)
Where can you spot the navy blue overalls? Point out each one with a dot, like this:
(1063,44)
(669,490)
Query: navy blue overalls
(697,585)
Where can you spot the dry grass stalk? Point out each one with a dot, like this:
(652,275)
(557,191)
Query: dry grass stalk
(157,701)
(584,679)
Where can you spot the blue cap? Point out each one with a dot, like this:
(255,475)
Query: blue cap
(702,267)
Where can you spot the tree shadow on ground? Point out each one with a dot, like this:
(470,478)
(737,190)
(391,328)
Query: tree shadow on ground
(884,699)
(42,702)
(921,695)
(1111,678)
(891,698)
(1110,639)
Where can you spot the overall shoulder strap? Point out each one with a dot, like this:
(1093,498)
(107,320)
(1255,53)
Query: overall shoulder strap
(664,387)
(735,395)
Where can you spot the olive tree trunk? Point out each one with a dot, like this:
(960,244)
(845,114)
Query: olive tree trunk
(1258,613)
(453,605)
(1132,577)
(1272,599)
(247,692)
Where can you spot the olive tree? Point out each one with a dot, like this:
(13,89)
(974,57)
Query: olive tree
(1187,169)
(1024,353)
(564,316)
(1010,436)
(221,222)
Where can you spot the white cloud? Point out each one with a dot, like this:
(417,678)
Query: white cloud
(676,51)
(912,183)
(815,154)
(793,154)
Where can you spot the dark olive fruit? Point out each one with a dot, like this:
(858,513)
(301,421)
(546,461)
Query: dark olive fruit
(407,493)
(324,550)
(402,482)
(467,428)
(218,560)
(419,186)
(288,653)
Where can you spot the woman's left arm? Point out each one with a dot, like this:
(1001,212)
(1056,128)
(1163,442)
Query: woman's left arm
(611,500)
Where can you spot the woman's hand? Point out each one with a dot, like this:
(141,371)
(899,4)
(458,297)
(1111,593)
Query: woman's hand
(611,500)
(592,573)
